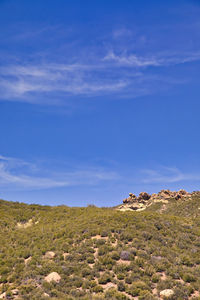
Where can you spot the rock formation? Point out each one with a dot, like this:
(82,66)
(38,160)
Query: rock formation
(130,199)
(144,199)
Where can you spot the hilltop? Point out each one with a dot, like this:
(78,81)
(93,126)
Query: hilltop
(102,253)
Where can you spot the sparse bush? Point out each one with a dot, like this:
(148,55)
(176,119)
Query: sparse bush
(125,255)
(97,289)
(188,277)
(105,278)
(155,278)
(115,255)
(121,286)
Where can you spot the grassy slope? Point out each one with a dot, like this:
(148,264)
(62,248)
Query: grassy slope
(162,251)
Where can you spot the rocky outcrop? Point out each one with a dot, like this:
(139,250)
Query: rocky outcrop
(141,198)
(130,199)
(144,199)
(167,194)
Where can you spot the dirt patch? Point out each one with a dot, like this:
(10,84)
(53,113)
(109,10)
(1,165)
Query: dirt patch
(109,285)
(115,243)
(99,237)
(125,209)
(155,291)
(96,253)
(163,276)
(195,294)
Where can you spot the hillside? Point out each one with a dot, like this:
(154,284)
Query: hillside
(101,253)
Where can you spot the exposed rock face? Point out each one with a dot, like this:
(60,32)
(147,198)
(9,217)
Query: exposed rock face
(144,199)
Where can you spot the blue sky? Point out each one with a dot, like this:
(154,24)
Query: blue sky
(98,99)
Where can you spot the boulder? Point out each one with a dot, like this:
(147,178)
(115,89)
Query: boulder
(181,194)
(130,199)
(166,293)
(126,200)
(144,196)
(166,194)
(49,255)
(54,276)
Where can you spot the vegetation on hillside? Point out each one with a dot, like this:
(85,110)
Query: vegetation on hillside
(100,253)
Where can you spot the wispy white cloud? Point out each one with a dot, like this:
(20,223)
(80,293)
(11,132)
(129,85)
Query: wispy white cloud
(70,79)
(120,75)
(168,175)
(21,175)
(133,60)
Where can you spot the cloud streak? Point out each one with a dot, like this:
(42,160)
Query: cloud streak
(21,175)
(167,175)
(70,79)
(119,75)
(134,60)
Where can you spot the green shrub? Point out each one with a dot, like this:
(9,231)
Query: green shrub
(121,286)
(97,289)
(105,278)
(155,278)
(115,255)
(136,288)
(188,277)
(120,276)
